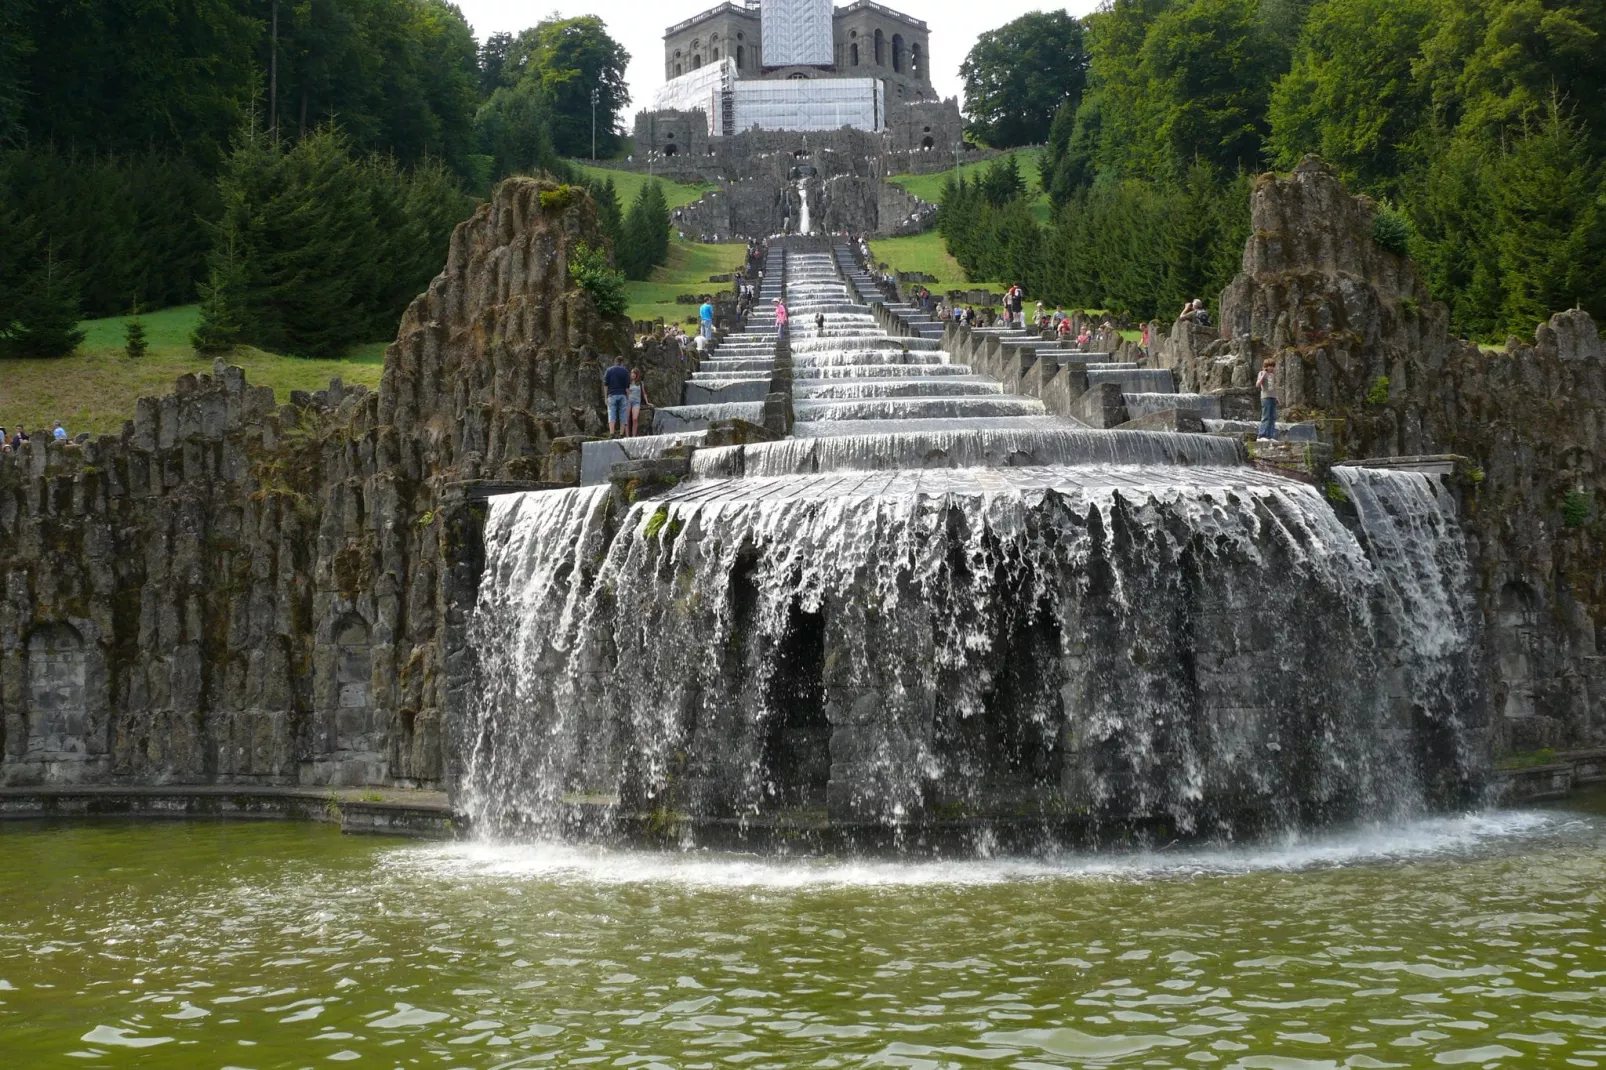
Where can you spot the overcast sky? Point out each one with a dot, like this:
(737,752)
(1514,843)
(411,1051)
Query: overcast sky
(639,26)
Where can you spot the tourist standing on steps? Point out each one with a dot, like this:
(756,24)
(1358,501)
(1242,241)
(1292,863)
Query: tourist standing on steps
(1267,381)
(780,319)
(616,395)
(819,323)
(638,397)
(705,316)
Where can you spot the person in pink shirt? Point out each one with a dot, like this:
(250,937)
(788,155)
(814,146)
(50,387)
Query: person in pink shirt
(780,317)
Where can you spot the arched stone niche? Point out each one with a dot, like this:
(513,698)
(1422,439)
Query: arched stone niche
(56,734)
(354,664)
(1516,628)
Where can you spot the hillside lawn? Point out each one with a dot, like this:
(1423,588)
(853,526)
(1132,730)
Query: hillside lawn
(690,265)
(628,183)
(929,187)
(94,389)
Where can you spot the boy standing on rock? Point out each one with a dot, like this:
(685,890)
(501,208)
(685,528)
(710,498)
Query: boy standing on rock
(1267,382)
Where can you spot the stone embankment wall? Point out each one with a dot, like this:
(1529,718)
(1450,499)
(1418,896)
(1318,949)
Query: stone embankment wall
(1363,349)
(236,591)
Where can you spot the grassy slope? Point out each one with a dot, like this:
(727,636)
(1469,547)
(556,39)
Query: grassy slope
(929,187)
(926,252)
(94,389)
(628,183)
(690,265)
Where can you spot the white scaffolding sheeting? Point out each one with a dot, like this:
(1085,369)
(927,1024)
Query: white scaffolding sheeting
(797,32)
(810,104)
(700,90)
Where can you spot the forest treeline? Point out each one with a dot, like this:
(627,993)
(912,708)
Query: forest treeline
(298,163)
(1479,125)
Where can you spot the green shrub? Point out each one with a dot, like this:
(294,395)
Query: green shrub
(1391,231)
(589,268)
(1575,508)
(1379,394)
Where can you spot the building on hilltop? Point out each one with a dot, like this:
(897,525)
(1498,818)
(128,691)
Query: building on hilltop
(781,100)
(801,41)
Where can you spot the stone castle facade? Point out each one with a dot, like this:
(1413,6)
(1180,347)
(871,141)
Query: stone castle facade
(783,100)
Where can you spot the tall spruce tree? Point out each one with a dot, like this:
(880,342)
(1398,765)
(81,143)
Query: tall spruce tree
(46,309)
(645,238)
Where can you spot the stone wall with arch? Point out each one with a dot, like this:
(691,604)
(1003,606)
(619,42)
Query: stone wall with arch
(55,729)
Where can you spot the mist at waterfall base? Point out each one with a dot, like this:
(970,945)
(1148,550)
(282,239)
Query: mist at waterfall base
(1185,650)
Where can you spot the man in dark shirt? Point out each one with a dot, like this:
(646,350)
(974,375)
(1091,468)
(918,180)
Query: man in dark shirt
(616,394)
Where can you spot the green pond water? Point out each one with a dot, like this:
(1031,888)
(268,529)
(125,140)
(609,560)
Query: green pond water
(1477,941)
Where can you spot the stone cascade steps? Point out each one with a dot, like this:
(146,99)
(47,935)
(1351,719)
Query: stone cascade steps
(853,377)
(729,383)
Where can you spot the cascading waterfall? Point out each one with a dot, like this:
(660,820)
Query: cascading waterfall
(942,635)
(804,225)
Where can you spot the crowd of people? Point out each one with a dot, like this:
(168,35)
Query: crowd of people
(12,441)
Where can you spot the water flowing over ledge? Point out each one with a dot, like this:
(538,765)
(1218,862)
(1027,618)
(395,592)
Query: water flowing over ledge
(971,632)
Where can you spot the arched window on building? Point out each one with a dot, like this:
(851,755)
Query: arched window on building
(696,61)
(716,53)
(853,53)
(880,55)
(741,56)
(915,59)
(897,52)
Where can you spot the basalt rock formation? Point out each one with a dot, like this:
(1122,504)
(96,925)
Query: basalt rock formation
(1364,350)
(236,591)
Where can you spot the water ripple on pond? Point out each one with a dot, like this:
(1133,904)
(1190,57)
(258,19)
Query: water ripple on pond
(1475,940)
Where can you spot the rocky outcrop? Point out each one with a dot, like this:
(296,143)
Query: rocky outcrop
(235,591)
(1364,351)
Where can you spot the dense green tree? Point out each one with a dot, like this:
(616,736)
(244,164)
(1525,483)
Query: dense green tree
(610,216)
(14,48)
(1285,19)
(644,241)
(133,75)
(1209,66)
(1351,93)
(223,294)
(1550,223)
(566,60)
(1493,66)
(1002,183)
(135,345)
(1018,76)
(130,224)
(42,315)
(515,130)
(318,249)
(493,61)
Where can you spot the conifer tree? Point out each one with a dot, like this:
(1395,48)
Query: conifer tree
(645,238)
(609,215)
(223,317)
(46,309)
(134,343)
